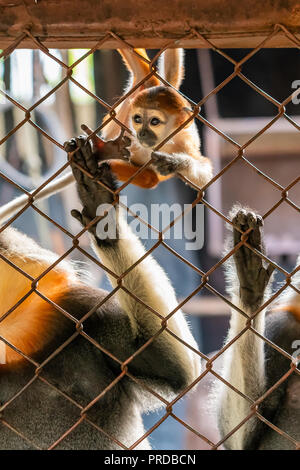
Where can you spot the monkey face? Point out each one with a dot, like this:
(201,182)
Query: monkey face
(151,126)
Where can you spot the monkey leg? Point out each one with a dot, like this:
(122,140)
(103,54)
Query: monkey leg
(253,274)
(124,170)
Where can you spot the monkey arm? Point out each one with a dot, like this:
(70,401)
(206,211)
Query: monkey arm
(166,358)
(197,170)
(244,361)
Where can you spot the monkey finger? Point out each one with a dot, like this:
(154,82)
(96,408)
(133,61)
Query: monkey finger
(155,157)
(254,220)
(78,156)
(78,174)
(86,129)
(239,219)
(126,141)
(70,145)
(255,237)
(86,218)
(125,153)
(123,140)
(95,140)
(80,141)
(236,236)
(77,215)
(251,220)
(91,162)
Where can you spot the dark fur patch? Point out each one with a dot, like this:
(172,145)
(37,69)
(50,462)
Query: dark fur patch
(160,97)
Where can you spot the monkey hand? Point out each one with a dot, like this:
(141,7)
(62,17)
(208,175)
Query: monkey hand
(116,149)
(91,192)
(110,149)
(252,271)
(166,164)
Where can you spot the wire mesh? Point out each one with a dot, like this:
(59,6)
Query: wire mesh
(283,198)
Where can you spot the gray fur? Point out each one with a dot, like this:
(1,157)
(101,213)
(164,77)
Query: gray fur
(251,365)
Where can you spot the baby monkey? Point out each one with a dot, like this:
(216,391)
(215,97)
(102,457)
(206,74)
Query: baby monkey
(153,113)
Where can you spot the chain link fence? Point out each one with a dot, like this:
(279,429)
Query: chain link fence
(239,150)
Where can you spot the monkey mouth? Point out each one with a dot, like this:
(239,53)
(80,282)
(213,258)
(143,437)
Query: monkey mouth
(148,144)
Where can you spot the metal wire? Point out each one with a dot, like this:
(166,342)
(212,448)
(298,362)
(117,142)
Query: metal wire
(204,276)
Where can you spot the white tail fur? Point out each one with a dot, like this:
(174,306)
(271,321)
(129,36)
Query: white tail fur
(10,209)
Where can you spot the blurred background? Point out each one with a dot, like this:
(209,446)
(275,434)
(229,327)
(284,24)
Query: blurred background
(28,157)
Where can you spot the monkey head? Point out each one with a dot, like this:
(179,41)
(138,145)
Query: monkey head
(155,113)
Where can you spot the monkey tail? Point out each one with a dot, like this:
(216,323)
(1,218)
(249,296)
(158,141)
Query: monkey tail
(10,209)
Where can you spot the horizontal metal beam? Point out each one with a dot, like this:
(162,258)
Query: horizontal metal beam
(151,24)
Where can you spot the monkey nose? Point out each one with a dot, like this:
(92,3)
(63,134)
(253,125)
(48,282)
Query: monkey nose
(142,134)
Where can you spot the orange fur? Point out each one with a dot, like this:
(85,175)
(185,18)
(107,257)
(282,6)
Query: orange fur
(29,326)
(161,98)
(293,309)
(146,179)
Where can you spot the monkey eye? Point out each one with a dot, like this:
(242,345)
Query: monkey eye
(155,121)
(137,119)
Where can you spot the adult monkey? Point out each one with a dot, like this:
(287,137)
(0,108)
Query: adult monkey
(121,325)
(252,365)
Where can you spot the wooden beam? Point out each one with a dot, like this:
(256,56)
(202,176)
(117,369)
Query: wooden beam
(150,24)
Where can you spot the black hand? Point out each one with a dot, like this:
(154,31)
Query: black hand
(91,193)
(252,273)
